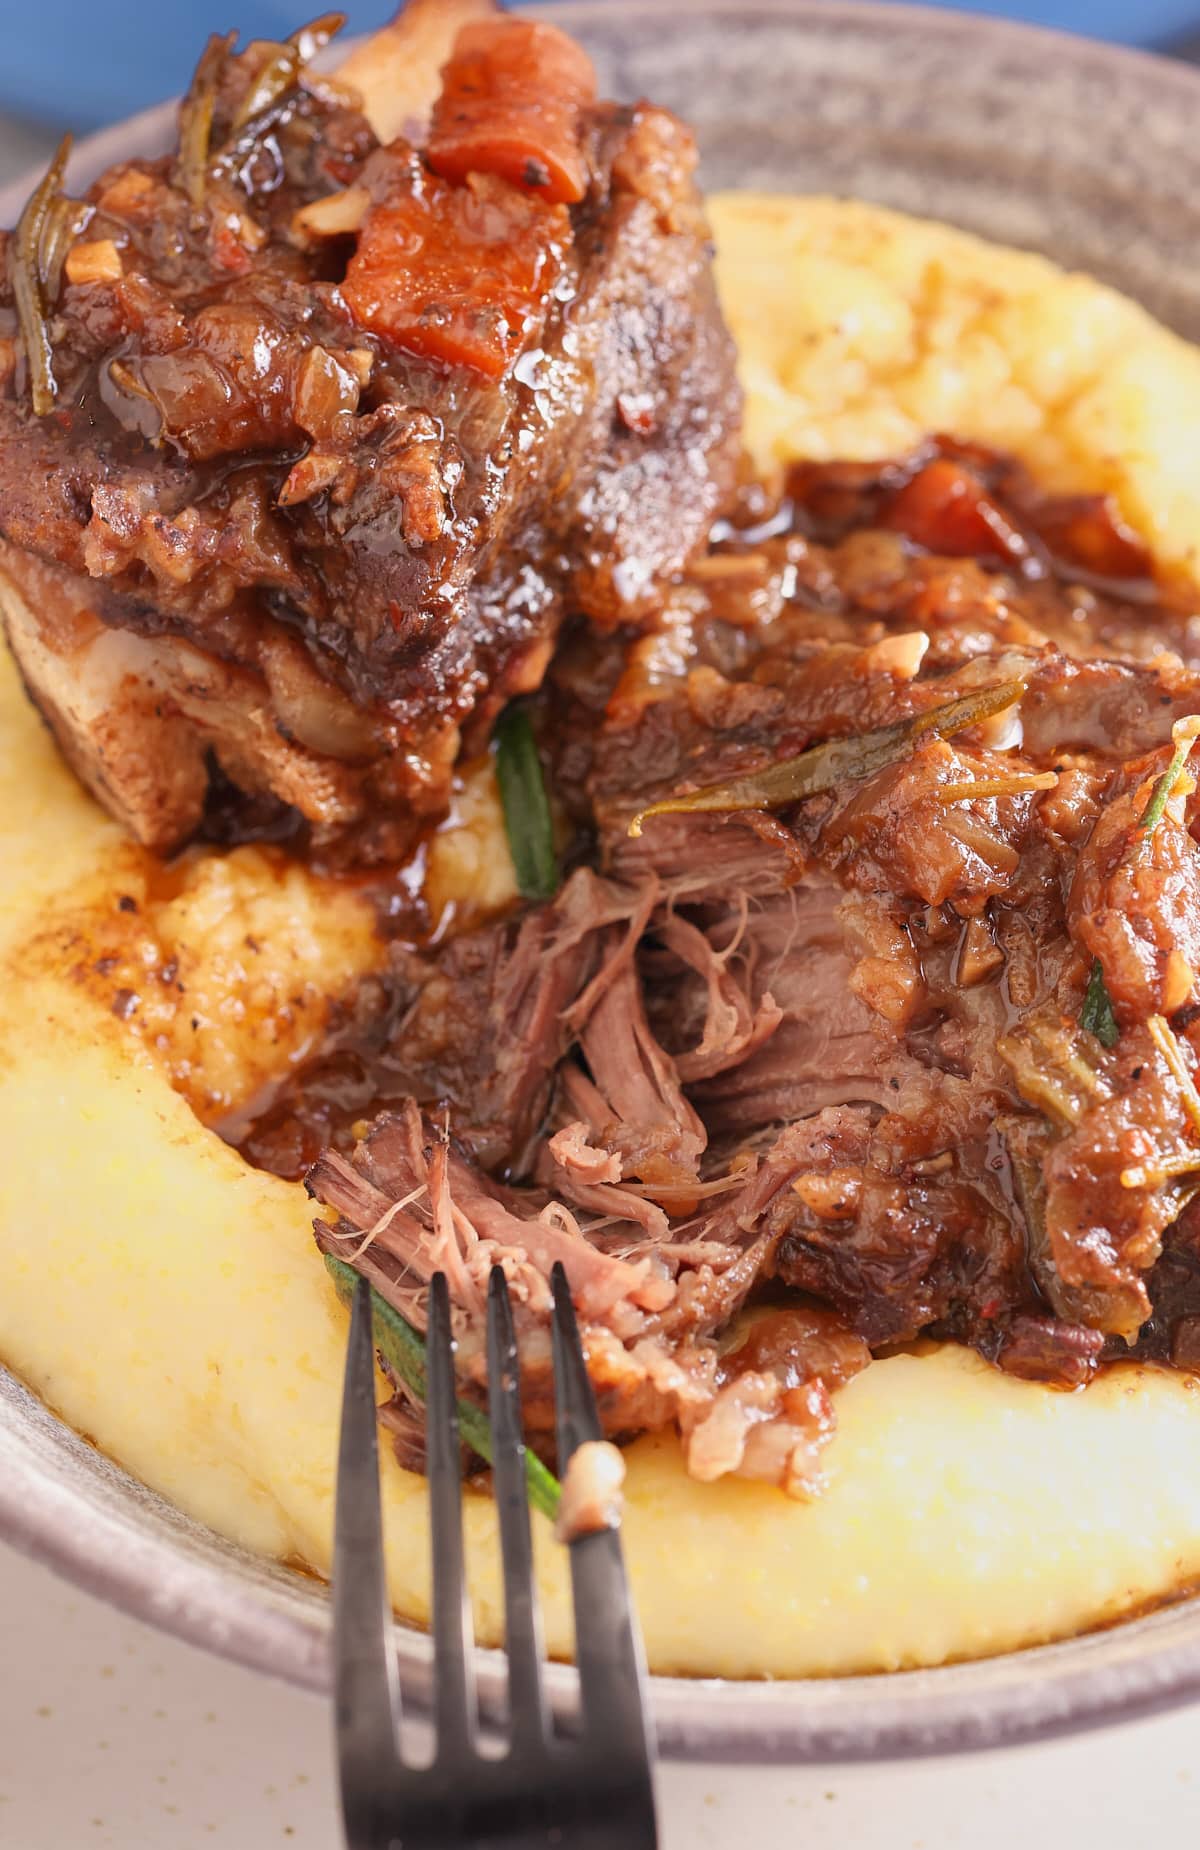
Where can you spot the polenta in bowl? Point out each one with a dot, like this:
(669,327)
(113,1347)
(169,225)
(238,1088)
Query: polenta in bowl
(676,768)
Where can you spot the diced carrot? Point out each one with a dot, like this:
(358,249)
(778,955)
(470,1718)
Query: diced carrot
(511,99)
(457,273)
(945,509)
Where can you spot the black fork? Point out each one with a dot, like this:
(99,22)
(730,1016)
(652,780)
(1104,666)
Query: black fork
(591,1788)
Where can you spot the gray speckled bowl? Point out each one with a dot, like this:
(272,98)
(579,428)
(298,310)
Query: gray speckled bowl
(1088,153)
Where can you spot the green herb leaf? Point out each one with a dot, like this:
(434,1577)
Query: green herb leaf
(196,116)
(403,1349)
(838,761)
(1097,1015)
(281,72)
(314,37)
(526,806)
(64,220)
(278,75)
(1184,734)
(29,281)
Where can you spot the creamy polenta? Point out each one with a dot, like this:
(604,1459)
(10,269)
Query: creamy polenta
(167,1300)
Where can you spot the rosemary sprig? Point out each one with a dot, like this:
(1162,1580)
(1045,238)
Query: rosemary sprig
(403,1349)
(527,820)
(278,75)
(1097,1014)
(32,298)
(837,761)
(282,70)
(64,220)
(1184,733)
(314,37)
(196,116)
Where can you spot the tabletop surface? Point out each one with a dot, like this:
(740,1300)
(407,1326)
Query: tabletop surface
(112,1735)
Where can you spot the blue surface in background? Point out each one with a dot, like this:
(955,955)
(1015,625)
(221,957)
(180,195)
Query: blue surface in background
(85,62)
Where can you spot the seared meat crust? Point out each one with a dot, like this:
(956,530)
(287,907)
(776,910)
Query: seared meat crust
(354,432)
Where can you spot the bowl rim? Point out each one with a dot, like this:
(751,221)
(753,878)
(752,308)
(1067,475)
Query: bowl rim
(1133,1669)
(171,1572)
(95,150)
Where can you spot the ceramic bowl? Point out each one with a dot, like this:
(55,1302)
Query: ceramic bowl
(1088,153)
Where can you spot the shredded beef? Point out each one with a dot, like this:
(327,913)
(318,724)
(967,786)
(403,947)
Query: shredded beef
(783,1088)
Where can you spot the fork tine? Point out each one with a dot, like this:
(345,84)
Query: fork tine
(453,1700)
(608,1647)
(367,1705)
(522,1618)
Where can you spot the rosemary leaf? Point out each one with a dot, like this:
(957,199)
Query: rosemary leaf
(63,222)
(196,116)
(526,807)
(838,761)
(314,37)
(403,1349)
(278,75)
(281,72)
(29,284)
(1097,1015)
(1184,733)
